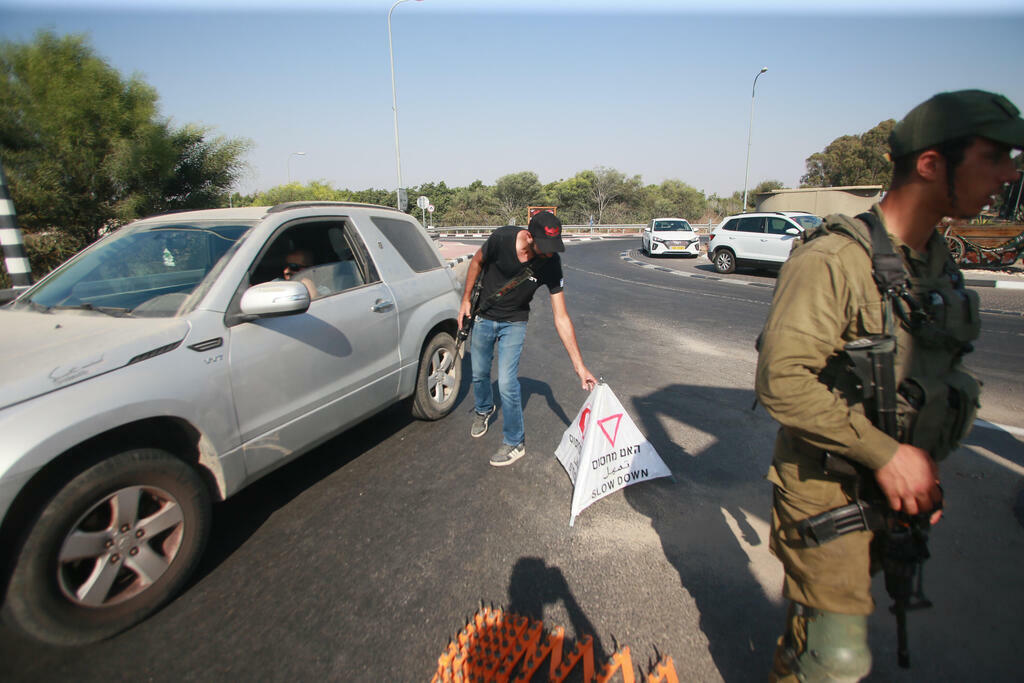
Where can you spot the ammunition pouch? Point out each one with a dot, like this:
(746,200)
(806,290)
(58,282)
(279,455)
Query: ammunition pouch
(936,414)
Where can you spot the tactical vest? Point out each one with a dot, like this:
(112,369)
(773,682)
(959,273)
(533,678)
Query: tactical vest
(934,319)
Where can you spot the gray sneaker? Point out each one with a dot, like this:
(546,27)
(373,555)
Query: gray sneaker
(480,421)
(507,455)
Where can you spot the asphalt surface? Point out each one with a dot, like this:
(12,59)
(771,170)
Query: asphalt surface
(361,559)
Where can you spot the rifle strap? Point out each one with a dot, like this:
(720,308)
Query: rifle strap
(522,276)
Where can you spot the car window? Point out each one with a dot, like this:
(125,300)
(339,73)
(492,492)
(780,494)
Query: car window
(672,226)
(808,222)
(778,226)
(751,224)
(409,241)
(140,272)
(322,254)
(731,224)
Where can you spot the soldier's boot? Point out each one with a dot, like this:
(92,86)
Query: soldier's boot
(821,646)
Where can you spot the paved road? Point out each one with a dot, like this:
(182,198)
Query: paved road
(358,561)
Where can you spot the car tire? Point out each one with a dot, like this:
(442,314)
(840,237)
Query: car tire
(725,261)
(438,379)
(89,569)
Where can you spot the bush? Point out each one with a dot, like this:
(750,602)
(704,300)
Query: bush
(45,251)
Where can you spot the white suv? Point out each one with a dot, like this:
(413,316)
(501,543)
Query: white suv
(178,360)
(757,239)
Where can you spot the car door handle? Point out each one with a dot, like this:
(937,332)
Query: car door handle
(382,305)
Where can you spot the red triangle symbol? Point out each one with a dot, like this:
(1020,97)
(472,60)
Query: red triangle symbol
(583,422)
(615,432)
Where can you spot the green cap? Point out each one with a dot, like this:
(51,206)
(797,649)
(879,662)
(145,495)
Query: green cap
(952,115)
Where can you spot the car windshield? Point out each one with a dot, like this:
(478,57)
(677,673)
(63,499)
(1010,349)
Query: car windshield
(808,222)
(672,226)
(147,271)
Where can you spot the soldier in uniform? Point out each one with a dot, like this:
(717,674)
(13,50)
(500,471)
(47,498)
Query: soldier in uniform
(951,155)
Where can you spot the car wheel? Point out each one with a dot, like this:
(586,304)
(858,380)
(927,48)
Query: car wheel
(437,384)
(643,248)
(725,261)
(111,547)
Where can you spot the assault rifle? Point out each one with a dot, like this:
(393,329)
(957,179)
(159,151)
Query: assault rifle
(901,540)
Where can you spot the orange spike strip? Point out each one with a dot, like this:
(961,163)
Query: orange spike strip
(538,647)
(513,647)
(583,650)
(664,672)
(622,662)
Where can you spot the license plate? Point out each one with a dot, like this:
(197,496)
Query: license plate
(677,248)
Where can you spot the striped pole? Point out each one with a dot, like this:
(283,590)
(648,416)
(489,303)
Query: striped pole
(15,260)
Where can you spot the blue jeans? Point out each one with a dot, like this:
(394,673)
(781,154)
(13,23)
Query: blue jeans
(509,338)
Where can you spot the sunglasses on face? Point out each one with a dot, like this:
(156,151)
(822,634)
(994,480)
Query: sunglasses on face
(295,267)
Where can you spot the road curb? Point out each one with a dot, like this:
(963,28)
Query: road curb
(1001,284)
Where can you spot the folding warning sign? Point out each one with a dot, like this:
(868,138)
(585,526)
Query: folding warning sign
(603,451)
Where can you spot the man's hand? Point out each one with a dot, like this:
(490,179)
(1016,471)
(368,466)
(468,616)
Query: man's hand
(910,481)
(587,381)
(464,311)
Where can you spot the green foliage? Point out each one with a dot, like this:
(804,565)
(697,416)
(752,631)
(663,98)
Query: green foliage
(514,192)
(84,149)
(852,160)
(45,251)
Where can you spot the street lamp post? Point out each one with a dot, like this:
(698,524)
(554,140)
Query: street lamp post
(394,105)
(750,131)
(289,164)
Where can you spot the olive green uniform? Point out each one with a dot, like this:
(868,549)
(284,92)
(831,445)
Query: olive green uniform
(826,297)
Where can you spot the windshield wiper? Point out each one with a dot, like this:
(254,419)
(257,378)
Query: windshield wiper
(28,303)
(108,310)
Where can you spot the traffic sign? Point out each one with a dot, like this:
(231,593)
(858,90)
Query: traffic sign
(423,202)
(430,208)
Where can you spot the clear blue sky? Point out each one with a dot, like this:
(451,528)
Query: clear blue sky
(488,88)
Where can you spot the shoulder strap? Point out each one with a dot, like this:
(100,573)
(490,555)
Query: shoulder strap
(887,266)
(522,276)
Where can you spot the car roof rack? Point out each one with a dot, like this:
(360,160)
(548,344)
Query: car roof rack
(277,208)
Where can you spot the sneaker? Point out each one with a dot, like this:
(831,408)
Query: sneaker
(480,421)
(507,455)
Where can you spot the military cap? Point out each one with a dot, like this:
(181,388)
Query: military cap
(952,115)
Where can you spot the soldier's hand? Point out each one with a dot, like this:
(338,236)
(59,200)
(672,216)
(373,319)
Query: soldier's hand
(910,481)
(587,380)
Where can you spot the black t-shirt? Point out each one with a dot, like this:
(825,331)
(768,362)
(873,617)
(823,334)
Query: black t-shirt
(501,264)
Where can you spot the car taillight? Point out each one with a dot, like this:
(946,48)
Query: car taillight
(711,237)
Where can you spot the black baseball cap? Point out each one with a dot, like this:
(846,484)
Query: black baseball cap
(952,115)
(546,230)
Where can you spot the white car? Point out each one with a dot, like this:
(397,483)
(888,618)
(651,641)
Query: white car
(669,236)
(178,360)
(761,239)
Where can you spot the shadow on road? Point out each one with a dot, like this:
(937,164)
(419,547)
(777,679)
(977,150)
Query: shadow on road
(533,585)
(691,517)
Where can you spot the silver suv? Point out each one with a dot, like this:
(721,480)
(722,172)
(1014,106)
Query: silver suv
(757,239)
(178,360)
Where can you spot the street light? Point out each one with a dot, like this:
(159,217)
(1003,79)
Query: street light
(289,164)
(394,105)
(750,130)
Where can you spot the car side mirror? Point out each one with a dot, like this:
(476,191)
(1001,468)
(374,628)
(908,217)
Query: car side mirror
(274,298)
(793,231)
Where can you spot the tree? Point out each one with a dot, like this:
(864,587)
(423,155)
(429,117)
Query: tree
(473,205)
(763,186)
(673,198)
(85,150)
(572,197)
(514,192)
(852,160)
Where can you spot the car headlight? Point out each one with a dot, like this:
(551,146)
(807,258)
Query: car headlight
(658,240)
